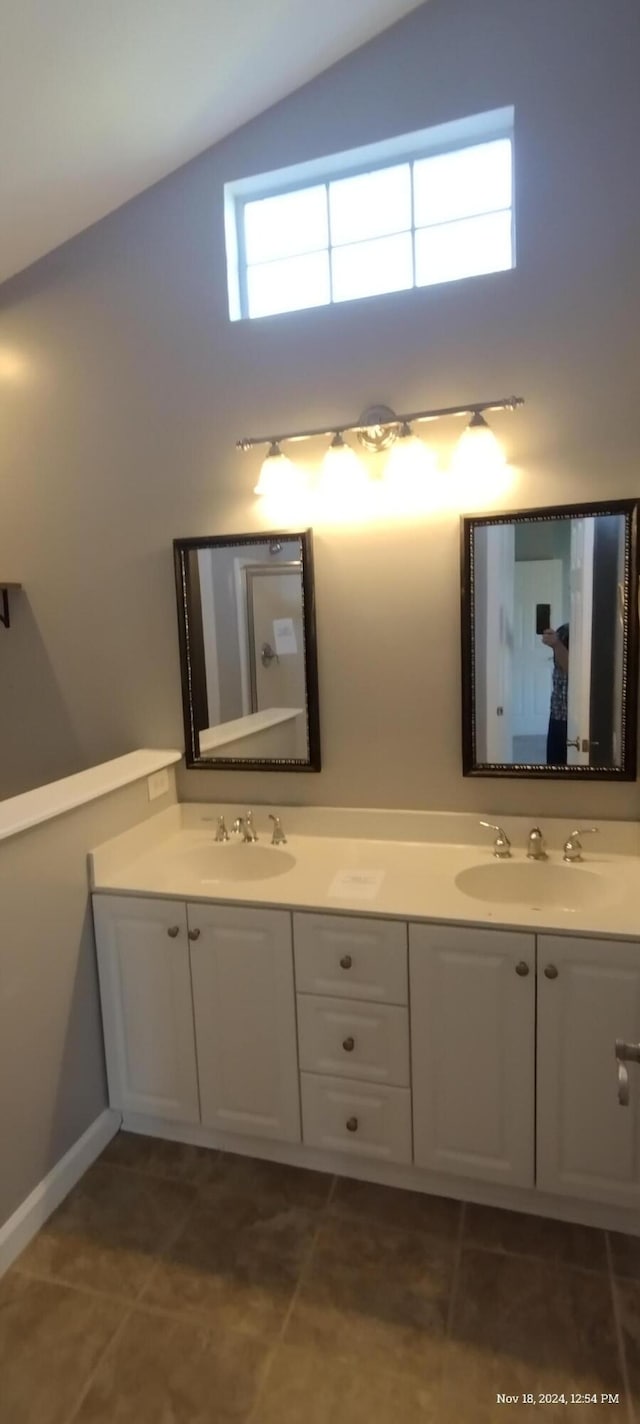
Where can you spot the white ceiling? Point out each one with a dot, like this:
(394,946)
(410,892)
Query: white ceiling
(100,98)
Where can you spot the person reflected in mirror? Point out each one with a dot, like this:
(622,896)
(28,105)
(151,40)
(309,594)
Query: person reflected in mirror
(558,640)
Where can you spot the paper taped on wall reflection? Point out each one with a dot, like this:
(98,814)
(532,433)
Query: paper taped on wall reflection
(284,636)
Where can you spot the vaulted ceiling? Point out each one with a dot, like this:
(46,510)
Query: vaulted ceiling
(101,98)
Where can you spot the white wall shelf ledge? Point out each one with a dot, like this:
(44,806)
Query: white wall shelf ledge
(246,726)
(20,813)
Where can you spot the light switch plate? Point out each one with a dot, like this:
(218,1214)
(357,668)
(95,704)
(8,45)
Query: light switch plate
(158,784)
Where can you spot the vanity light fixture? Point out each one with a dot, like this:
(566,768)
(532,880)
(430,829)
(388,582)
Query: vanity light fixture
(379,428)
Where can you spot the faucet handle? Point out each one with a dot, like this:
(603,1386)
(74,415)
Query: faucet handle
(278,837)
(572,849)
(222,833)
(502,844)
(536,849)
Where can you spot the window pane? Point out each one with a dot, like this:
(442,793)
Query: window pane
(286,224)
(371,204)
(366,268)
(456,185)
(290,285)
(463,249)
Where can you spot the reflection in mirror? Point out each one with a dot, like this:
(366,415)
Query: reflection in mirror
(247,640)
(550,642)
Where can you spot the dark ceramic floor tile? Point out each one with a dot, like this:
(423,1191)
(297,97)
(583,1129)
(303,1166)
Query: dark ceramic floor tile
(315,1387)
(174,1372)
(376,1293)
(524,1235)
(236,1261)
(628,1298)
(529,1326)
(410,1211)
(295,1186)
(109,1231)
(51,1338)
(177,1160)
(625,1255)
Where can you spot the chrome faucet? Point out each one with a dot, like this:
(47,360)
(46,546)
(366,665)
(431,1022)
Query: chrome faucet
(278,837)
(501,844)
(222,833)
(243,826)
(535,845)
(572,849)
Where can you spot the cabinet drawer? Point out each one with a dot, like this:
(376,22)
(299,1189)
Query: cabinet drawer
(347,957)
(354,1040)
(358,1118)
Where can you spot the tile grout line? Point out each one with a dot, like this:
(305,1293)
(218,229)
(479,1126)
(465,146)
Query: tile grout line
(617,1321)
(456,1270)
(283,1328)
(98,1365)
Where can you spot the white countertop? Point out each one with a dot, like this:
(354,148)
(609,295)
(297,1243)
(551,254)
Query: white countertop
(394,863)
(20,813)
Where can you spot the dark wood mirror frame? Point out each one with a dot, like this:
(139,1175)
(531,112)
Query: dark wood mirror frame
(190,620)
(627,770)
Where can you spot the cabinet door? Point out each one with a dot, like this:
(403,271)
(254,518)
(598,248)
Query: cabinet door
(244,1005)
(588,1146)
(472,1035)
(147,1011)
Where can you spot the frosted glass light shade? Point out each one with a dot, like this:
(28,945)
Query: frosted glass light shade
(342,473)
(478,452)
(410,464)
(277,474)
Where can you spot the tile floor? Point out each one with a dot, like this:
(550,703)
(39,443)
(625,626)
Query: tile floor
(181,1286)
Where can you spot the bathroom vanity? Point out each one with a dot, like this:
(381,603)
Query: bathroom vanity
(406,1009)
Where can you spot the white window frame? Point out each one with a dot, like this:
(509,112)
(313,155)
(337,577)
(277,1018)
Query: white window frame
(407,148)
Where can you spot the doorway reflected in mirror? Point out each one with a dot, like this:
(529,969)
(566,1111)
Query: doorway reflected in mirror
(247,640)
(550,642)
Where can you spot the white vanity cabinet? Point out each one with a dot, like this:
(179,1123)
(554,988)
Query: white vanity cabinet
(473,1052)
(442,1057)
(588,996)
(147,1011)
(245,1018)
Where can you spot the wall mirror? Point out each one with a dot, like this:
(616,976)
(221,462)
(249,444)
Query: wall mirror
(246,621)
(550,642)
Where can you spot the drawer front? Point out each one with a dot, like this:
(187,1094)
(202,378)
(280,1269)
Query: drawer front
(343,956)
(357,1118)
(354,1040)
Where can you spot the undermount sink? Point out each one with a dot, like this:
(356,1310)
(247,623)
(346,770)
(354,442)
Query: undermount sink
(212,862)
(534,883)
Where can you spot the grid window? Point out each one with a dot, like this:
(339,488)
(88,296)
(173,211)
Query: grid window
(435,216)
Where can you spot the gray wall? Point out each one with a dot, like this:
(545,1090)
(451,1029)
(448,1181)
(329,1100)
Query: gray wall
(120,432)
(52,1076)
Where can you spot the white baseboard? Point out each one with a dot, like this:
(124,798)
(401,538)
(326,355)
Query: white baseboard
(19,1230)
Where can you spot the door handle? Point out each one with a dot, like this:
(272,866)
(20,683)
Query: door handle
(625,1053)
(268,655)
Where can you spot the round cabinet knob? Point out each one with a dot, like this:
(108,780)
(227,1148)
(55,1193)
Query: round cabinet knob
(346,961)
(173,931)
(550,971)
(194,934)
(352,1124)
(522,969)
(348,1044)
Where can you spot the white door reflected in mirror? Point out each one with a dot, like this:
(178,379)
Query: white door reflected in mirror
(551,638)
